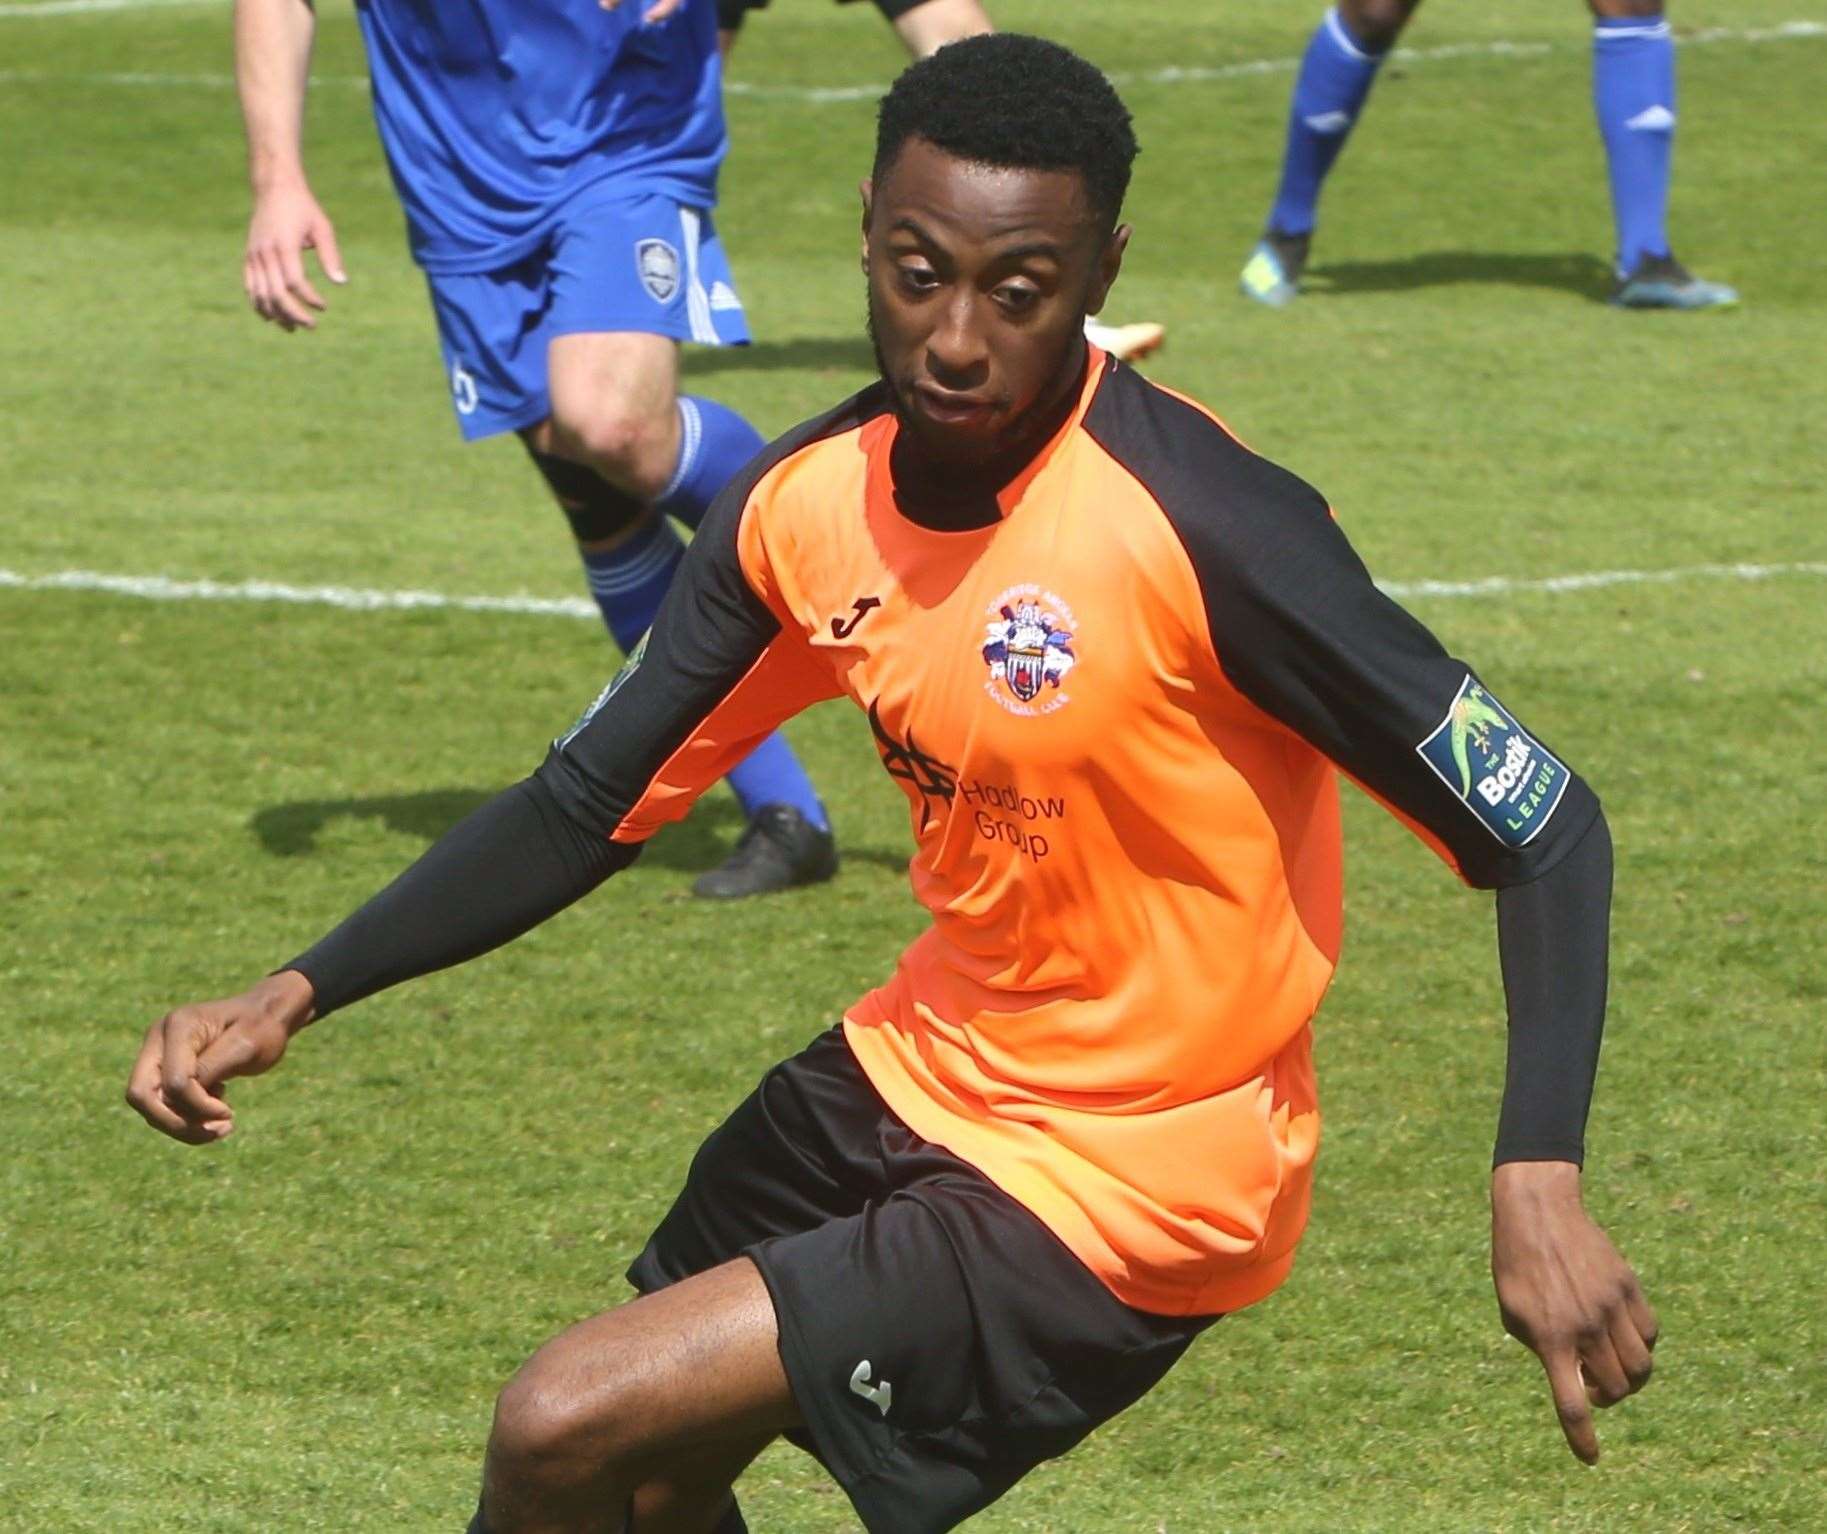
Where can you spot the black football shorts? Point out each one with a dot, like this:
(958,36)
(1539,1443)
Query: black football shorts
(939,1340)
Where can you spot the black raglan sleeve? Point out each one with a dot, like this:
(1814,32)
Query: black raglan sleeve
(1300,629)
(713,676)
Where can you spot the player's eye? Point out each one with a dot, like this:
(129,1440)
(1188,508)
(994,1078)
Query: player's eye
(917,279)
(1016,297)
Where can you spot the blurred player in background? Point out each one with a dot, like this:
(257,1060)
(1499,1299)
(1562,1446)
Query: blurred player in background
(1109,657)
(1633,92)
(925,26)
(557,167)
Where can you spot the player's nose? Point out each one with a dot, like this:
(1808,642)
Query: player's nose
(957,349)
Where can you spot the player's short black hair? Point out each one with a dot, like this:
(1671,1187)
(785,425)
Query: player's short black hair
(1013,101)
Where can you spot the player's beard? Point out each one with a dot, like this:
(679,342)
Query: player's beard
(972,462)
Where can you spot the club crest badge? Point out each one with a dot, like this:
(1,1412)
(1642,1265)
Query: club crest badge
(1028,646)
(658,265)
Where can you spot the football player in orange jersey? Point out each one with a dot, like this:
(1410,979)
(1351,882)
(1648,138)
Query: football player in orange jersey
(1114,661)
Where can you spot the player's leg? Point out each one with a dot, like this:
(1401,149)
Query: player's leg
(620,443)
(631,278)
(1336,73)
(1633,96)
(636,1407)
(615,409)
(943,1342)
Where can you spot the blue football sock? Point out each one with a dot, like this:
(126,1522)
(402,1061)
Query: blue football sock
(714,444)
(476,1525)
(1633,92)
(629,579)
(771,774)
(1336,74)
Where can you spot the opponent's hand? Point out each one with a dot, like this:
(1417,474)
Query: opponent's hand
(1566,1293)
(287,222)
(659,10)
(176,1085)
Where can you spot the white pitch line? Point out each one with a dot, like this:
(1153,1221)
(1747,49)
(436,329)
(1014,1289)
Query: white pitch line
(1598,580)
(12,10)
(818,95)
(161,588)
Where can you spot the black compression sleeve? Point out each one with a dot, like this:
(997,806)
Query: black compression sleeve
(502,870)
(1552,936)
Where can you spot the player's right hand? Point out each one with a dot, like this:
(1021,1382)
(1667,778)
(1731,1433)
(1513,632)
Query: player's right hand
(176,1084)
(287,222)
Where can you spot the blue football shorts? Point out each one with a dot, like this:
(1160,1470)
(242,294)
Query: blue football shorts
(614,262)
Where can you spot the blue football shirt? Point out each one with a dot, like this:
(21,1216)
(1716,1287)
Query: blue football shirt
(495,113)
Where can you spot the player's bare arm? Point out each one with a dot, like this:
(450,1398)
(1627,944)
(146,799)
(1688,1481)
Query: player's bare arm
(272,65)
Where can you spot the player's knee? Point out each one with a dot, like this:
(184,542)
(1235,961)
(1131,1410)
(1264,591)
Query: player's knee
(630,445)
(598,512)
(1620,10)
(1377,23)
(547,1443)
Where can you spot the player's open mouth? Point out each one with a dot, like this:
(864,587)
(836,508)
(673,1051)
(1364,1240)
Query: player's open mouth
(945,408)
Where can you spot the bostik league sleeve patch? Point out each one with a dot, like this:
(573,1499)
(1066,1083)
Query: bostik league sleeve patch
(1500,772)
(628,669)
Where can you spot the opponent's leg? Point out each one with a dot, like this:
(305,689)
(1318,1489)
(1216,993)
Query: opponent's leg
(1336,73)
(617,413)
(637,1406)
(1633,95)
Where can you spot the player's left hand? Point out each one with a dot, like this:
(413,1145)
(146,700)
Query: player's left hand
(1566,1293)
(658,10)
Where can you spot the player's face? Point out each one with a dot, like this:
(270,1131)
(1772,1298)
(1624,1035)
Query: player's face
(980,279)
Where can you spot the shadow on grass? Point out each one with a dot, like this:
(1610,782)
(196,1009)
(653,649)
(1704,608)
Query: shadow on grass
(772,356)
(1568,272)
(702,840)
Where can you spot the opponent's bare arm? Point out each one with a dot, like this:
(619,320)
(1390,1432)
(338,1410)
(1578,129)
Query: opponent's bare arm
(272,66)
(927,28)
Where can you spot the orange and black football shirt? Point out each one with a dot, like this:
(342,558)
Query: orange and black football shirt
(1115,705)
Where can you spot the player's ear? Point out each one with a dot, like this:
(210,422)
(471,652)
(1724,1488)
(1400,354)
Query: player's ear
(1109,263)
(866,188)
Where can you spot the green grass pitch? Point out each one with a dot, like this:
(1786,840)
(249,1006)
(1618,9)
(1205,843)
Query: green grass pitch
(303,1330)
